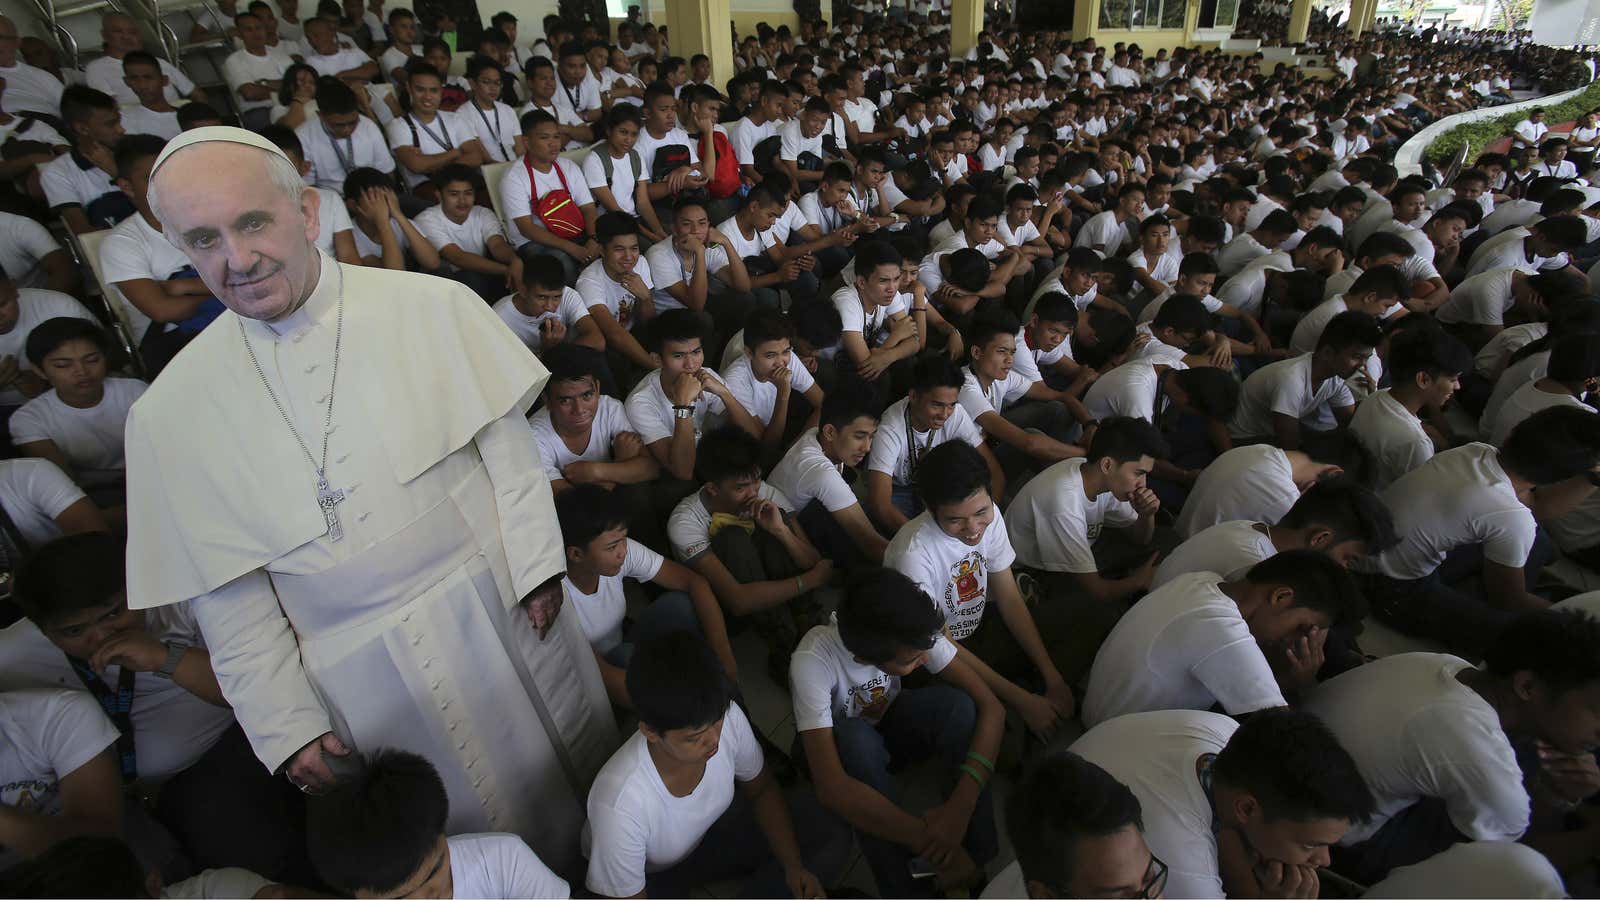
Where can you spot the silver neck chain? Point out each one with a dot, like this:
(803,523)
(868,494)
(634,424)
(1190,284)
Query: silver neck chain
(338,336)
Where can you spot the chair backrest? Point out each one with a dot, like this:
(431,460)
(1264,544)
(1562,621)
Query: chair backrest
(493,175)
(730,129)
(89,251)
(578,154)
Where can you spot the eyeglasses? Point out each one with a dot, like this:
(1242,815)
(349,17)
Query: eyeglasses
(1155,882)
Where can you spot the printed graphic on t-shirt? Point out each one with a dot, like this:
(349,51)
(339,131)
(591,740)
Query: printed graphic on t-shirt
(27,795)
(964,595)
(871,700)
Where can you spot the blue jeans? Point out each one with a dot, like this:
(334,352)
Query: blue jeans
(934,721)
(904,497)
(672,611)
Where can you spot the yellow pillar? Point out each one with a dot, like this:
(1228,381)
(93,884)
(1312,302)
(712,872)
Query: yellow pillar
(1299,21)
(1371,16)
(1357,20)
(966,20)
(702,26)
(1085,19)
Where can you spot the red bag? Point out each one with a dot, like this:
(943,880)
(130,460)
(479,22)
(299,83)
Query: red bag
(560,215)
(725,181)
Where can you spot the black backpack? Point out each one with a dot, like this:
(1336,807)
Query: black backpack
(669,158)
(765,153)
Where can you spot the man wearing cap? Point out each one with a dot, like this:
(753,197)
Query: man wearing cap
(339,475)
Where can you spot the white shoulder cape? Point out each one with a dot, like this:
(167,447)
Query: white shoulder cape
(218,486)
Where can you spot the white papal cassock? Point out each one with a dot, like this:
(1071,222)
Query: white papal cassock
(406,633)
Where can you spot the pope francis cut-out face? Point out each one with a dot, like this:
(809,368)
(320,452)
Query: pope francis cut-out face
(249,231)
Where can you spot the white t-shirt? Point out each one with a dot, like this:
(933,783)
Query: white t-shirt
(446,132)
(570,311)
(1482,299)
(747,136)
(601,613)
(66,182)
(47,735)
(332,218)
(1229,549)
(1103,233)
(341,60)
(91,439)
(1524,402)
(497,129)
(243,67)
(1183,646)
(598,288)
(516,192)
(105,74)
(760,398)
(648,144)
(134,250)
(31,89)
(172,727)
(230,881)
(610,420)
(500,865)
(650,410)
(624,180)
(953,573)
(873,327)
(333,159)
(1239,252)
(978,400)
(1054,524)
(1254,482)
(24,243)
(805,473)
(36,305)
(139,120)
(471,236)
(1492,359)
(1475,869)
(1461,496)
(637,826)
(893,443)
(34,492)
(1154,754)
(1285,388)
(666,270)
(794,142)
(828,684)
(1029,360)
(689,526)
(1392,437)
(1127,390)
(1414,731)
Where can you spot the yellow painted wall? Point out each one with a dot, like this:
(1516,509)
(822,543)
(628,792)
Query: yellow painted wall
(1149,39)
(746,20)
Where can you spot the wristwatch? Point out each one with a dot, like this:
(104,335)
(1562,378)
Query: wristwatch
(683,412)
(175,652)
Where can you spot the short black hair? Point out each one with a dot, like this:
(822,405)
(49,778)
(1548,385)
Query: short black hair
(455,172)
(767,324)
(1318,583)
(336,97)
(70,574)
(991,321)
(1060,800)
(847,402)
(818,324)
(52,333)
(586,511)
(883,612)
(1350,329)
(195,112)
(570,361)
(1212,392)
(78,100)
(372,830)
(81,866)
(1199,264)
(727,452)
(1573,357)
(872,255)
(1427,348)
(675,681)
(1322,236)
(1553,445)
(358,180)
(133,147)
(1566,232)
(933,372)
(1126,439)
(1386,281)
(1056,307)
(1294,767)
(1560,647)
(1182,312)
(680,325)
(1279,221)
(969,268)
(950,473)
(613,224)
(1353,511)
(540,270)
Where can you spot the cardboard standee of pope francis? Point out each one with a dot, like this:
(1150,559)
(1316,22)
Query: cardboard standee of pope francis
(338,476)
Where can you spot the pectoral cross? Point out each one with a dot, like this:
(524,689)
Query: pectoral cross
(328,498)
